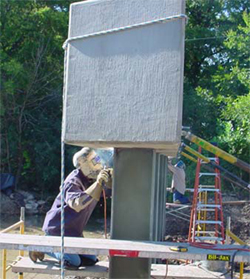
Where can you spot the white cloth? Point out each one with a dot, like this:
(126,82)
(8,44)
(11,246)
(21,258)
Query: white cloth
(178,180)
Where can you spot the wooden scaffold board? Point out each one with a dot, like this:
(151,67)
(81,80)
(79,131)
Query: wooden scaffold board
(158,271)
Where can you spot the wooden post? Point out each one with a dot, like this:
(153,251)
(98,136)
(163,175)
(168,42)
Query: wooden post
(228,234)
(241,270)
(228,229)
(4,263)
(22,228)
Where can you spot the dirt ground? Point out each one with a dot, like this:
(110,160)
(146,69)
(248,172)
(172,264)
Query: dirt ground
(176,230)
(240,220)
(177,225)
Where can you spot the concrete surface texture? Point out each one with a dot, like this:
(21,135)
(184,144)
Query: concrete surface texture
(125,89)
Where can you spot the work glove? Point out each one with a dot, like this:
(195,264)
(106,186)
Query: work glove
(110,181)
(104,178)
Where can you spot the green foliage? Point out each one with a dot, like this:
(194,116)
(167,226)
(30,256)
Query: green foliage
(32,34)
(213,61)
(232,78)
(236,127)
(216,83)
(216,97)
(235,112)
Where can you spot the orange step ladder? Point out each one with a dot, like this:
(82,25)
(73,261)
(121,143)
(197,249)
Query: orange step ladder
(206,220)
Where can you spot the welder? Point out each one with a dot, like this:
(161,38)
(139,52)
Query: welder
(82,191)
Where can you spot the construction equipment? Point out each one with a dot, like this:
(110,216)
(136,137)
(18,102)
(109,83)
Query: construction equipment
(206,220)
(211,165)
(217,151)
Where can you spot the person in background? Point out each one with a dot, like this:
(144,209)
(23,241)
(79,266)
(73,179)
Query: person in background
(82,191)
(178,186)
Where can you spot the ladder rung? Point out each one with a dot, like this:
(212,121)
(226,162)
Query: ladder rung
(202,205)
(209,238)
(208,190)
(206,232)
(207,209)
(212,158)
(208,173)
(211,186)
(208,222)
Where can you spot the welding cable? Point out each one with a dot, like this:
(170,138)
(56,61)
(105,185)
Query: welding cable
(232,265)
(225,273)
(205,245)
(210,272)
(166,274)
(105,213)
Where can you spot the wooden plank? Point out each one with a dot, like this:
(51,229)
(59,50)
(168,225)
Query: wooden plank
(235,202)
(178,205)
(13,227)
(50,266)
(158,271)
(124,248)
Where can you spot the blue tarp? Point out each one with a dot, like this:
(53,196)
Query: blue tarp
(7,180)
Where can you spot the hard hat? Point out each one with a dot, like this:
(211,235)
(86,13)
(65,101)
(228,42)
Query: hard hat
(181,165)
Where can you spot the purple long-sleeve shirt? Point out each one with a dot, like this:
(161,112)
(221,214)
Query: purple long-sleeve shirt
(75,185)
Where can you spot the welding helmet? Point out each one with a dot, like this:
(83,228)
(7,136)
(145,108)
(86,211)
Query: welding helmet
(181,165)
(88,161)
(107,156)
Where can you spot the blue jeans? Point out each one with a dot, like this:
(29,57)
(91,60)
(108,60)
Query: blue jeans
(72,259)
(180,197)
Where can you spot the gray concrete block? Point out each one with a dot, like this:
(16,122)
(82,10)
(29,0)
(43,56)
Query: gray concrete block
(125,89)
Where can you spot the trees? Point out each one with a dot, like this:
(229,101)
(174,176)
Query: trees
(31,85)
(207,53)
(216,97)
(235,84)
(216,84)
